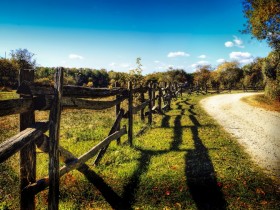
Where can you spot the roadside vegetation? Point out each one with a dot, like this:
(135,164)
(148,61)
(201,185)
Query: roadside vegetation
(184,161)
(262,101)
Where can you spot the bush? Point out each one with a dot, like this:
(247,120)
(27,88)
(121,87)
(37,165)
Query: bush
(272,89)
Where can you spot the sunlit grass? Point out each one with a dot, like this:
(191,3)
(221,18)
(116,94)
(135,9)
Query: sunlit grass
(181,150)
(262,101)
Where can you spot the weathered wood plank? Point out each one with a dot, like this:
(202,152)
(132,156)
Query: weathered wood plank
(130,114)
(27,154)
(153,94)
(15,106)
(18,106)
(55,113)
(69,159)
(150,118)
(20,140)
(71,91)
(93,151)
(76,103)
(66,156)
(114,128)
(159,99)
(117,110)
(140,89)
(140,107)
(142,99)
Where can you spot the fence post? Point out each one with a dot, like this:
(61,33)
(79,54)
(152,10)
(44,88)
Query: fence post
(159,98)
(150,117)
(142,99)
(181,91)
(28,153)
(165,88)
(117,110)
(130,116)
(53,197)
(153,94)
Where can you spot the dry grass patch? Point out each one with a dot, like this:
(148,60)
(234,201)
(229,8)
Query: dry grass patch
(262,101)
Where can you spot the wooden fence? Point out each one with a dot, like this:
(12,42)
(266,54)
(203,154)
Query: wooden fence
(35,97)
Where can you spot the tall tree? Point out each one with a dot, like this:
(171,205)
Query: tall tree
(135,75)
(263,20)
(8,73)
(229,73)
(271,70)
(24,58)
(202,76)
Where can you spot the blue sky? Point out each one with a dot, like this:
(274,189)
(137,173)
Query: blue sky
(111,34)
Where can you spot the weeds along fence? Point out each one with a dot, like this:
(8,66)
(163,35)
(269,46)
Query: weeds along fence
(32,134)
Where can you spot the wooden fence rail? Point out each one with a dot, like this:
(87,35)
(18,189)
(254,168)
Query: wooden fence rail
(37,97)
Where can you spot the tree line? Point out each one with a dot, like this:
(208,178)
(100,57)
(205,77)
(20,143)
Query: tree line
(262,72)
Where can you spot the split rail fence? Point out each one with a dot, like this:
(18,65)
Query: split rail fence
(35,97)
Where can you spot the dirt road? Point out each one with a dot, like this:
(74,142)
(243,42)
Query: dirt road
(256,129)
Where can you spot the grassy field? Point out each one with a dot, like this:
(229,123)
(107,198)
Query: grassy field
(263,102)
(183,161)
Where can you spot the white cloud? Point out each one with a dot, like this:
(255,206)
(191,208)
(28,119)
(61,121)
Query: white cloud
(220,60)
(75,56)
(202,62)
(237,42)
(112,64)
(156,61)
(125,65)
(229,44)
(194,65)
(242,57)
(202,56)
(177,54)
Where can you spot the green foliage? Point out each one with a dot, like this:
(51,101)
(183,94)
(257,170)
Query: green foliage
(135,75)
(119,77)
(271,70)
(263,20)
(171,75)
(230,74)
(253,73)
(24,58)
(8,73)
(202,76)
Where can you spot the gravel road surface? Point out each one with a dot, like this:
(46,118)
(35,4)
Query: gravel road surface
(256,129)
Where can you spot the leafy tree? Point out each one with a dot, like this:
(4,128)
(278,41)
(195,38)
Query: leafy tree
(24,58)
(253,75)
(263,20)
(202,76)
(228,74)
(119,77)
(135,75)
(271,70)
(8,73)
(215,80)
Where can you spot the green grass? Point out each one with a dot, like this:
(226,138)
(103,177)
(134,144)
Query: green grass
(183,161)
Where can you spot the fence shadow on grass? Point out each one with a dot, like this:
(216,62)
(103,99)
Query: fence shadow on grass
(178,130)
(108,193)
(165,121)
(199,170)
(200,174)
